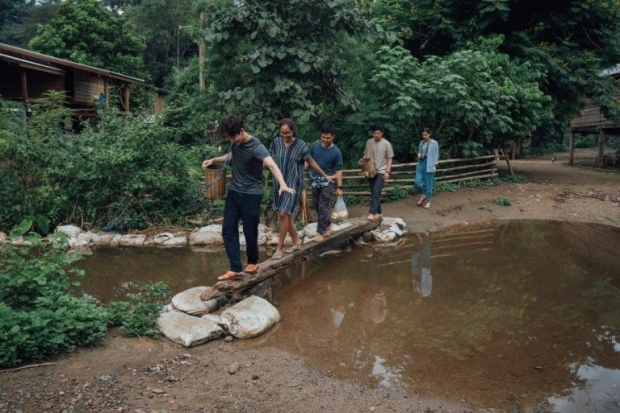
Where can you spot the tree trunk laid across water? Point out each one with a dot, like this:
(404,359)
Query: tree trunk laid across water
(270,268)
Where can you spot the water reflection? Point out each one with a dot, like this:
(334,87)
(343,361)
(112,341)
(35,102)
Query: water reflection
(421,266)
(509,315)
(498,319)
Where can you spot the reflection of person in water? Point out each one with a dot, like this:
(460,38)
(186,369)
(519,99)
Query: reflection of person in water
(375,307)
(421,266)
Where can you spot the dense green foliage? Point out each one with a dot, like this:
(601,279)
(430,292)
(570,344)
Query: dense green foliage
(124,171)
(471,99)
(568,42)
(269,60)
(38,315)
(84,32)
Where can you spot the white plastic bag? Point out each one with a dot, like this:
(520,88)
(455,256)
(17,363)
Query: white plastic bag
(339,213)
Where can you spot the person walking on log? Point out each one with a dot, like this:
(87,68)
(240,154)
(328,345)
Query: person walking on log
(248,156)
(428,156)
(290,155)
(380,153)
(329,157)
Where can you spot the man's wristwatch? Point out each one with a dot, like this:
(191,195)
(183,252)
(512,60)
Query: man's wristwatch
(339,187)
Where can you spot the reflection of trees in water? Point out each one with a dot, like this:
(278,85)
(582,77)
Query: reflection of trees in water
(112,273)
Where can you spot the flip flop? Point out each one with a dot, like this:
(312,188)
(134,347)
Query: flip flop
(251,268)
(428,205)
(293,249)
(229,275)
(421,201)
(277,256)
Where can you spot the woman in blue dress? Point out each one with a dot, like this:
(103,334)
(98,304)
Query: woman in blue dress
(290,154)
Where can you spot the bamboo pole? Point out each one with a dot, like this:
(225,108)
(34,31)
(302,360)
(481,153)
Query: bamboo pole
(474,173)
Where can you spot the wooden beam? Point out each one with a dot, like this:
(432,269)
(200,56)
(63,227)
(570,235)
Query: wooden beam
(571,149)
(126,96)
(601,149)
(24,86)
(271,268)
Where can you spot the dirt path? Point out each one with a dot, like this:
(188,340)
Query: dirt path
(156,375)
(552,191)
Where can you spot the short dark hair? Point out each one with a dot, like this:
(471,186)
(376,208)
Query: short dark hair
(378,126)
(291,125)
(328,128)
(427,130)
(232,125)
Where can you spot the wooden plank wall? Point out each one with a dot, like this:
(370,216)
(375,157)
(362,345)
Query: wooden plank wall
(87,88)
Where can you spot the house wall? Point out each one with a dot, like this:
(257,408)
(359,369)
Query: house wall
(87,88)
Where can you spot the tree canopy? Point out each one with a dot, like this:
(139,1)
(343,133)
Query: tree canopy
(269,60)
(568,41)
(84,32)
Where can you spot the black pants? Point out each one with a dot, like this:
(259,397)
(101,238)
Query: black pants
(376,185)
(247,208)
(322,201)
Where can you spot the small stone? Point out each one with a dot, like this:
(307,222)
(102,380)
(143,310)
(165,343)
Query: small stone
(61,393)
(373,408)
(228,339)
(255,377)
(233,368)
(158,391)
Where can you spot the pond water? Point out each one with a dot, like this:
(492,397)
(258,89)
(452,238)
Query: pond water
(500,315)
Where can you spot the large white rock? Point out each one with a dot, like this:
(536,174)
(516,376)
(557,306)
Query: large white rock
(82,239)
(189,302)
(250,317)
(205,238)
(188,330)
(71,230)
(132,240)
(167,239)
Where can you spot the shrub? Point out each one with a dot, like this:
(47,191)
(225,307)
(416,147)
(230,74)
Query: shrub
(500,200)
(38,316)
(122,171)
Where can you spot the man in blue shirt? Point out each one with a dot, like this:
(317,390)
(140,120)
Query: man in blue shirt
(329,158)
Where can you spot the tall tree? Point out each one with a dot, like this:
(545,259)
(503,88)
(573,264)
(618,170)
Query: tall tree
(22,27)
(169,29)
(569,41)
(84,32)
(282,58)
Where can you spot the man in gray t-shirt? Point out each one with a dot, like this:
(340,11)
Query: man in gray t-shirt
(380,153)
(248,156)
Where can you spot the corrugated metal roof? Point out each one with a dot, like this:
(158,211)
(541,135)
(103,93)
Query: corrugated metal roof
(31,65)
(51,61)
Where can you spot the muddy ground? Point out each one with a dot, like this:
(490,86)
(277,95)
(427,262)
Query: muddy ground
(155,375)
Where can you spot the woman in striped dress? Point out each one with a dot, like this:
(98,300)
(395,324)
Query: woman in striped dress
(290,154)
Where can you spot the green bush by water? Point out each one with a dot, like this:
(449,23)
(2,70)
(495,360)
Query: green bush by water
(38,315)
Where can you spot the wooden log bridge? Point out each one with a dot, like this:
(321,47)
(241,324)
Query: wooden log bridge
(270,267)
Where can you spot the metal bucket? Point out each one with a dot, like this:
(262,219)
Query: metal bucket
(215,179)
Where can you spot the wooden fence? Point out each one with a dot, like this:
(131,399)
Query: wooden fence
(448,170)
